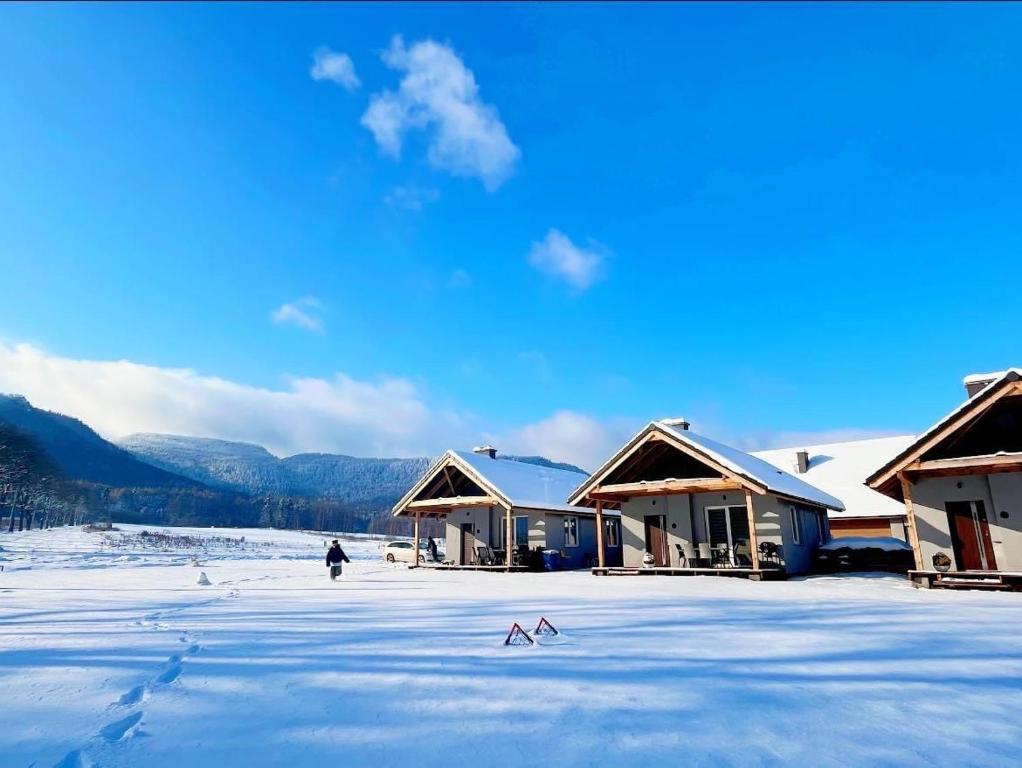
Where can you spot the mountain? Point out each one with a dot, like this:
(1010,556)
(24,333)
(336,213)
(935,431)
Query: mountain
(366,484)
(80,453)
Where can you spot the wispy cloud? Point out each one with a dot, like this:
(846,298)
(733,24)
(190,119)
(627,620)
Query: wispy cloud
(459,279)
(336,67)
(557,255)
(411,197)
(439,95)
(305,313)
(569,436)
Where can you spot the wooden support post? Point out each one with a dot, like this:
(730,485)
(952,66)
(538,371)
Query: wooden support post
(910,515)
(415,545)
(601,559)
(753,538)
(509,537)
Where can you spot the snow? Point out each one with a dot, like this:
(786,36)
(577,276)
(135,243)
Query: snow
(113,656)
(841,470)
(886,543)
(527,486)
(754,468)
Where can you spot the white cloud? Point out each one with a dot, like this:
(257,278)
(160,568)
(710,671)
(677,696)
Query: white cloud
(383,417)
(411,197)
(558,256)
(439,95)
(305,313)
(335,66)
(568,436)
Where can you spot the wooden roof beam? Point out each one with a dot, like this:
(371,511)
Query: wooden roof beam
(613,491)
(451,503)
(968,465)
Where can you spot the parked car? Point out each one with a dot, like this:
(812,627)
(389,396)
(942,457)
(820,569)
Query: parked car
(864,553)
(402,552)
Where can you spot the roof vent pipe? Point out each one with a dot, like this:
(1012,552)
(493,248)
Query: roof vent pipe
(802,461)
(487,450)
(680,423)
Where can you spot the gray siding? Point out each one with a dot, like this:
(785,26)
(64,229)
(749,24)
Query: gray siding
(1000,493)
(686,521)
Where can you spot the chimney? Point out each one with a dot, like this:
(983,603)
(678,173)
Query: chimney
(487,450)
(680,423)
(802,461)
(976,382)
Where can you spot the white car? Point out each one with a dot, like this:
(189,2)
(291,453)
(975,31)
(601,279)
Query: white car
(401,551)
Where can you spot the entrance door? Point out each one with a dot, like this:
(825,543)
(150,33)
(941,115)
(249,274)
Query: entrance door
(468,542)
(656,539)
(970,536)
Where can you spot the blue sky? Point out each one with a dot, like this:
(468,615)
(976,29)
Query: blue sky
(779,221)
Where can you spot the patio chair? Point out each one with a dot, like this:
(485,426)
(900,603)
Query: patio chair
(484,556)
(767,552)
(686,555)
(743,555)
(705,555)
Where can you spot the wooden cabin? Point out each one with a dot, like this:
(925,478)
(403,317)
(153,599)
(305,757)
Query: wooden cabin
(692,505)
(839,469)
(493,506)
(961,485)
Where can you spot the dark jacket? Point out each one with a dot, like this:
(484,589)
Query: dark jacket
(335,556)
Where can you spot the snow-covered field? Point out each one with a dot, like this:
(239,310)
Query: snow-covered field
(112,655)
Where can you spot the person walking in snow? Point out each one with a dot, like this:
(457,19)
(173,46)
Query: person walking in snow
(431,548)
(334,557)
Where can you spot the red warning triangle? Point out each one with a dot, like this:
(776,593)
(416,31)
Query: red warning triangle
(518,636)
(545,628)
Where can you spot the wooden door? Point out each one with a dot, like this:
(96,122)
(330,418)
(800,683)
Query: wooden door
(656,540)
(468,542)
(970,536)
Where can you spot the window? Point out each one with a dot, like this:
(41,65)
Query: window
(612,533)
(796,525)
(571,531)
(521,530)
(727,525)
(821,526)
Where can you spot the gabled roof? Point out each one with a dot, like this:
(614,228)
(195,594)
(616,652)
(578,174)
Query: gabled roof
(513,483)
(885,479)
(840,469)
(749,470)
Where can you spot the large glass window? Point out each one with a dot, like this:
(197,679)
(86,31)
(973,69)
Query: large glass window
(727,525)
(521,529)
(571,531)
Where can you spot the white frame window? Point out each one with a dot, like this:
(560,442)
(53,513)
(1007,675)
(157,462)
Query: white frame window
(726,509)
(796,525)
(612,533)
(571,532)
(519,529)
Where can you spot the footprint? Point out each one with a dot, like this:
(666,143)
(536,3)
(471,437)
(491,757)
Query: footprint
(193,649)
(169,675)
(118,730)
(134,696)
(74,759)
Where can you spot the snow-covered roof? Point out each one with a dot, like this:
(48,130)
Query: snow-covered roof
(841,470)
(734,461)
(977,401)
(525,485)
(754,468)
